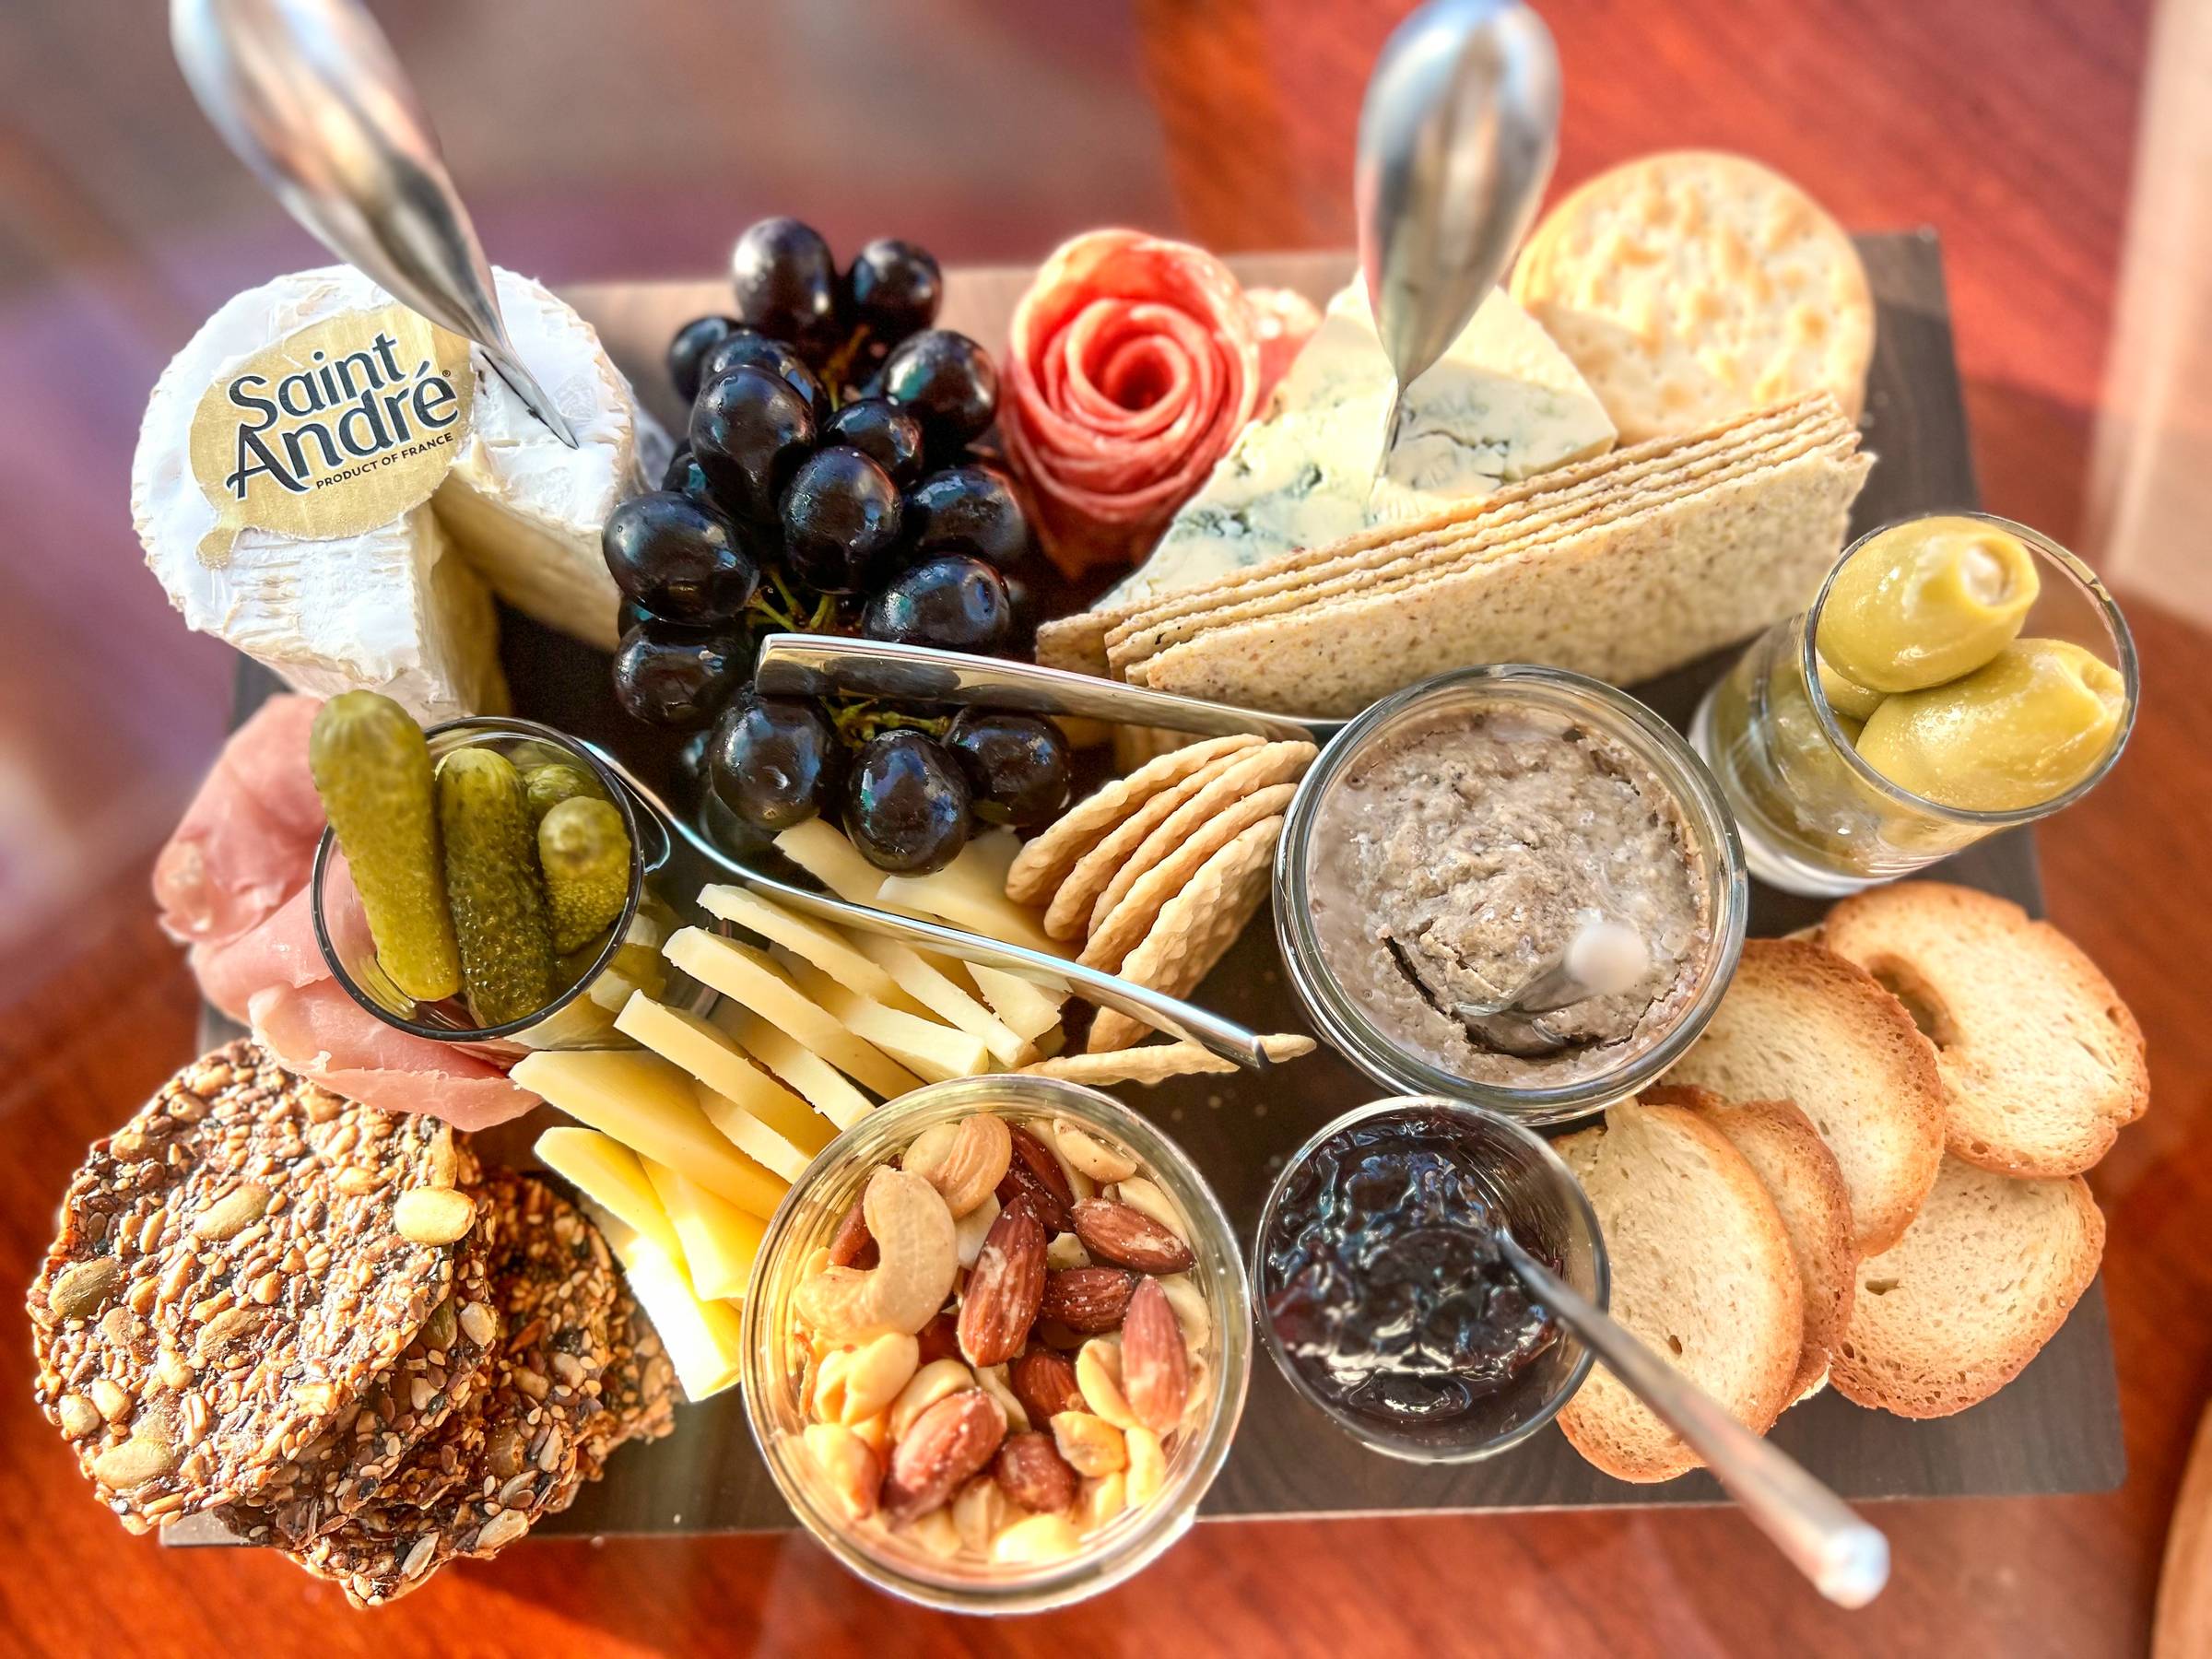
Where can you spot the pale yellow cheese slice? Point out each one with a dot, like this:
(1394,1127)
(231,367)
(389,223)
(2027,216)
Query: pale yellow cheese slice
(1028,1009)
(820,943)
(824,854)
(720,1240)
(824,1086)
(933,1051)
(650,1107)
(608,1173)
(750,979)
(936,990)
(762,1118)
(970,892)
(704,1339)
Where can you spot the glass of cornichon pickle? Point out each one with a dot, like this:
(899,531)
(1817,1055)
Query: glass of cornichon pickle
(497,897)
(1957,673)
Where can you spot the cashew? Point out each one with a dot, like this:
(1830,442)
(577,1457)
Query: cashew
(969,1231)
(852,1384)
(913,1233)
(978,1512)
(1099,1375)
(927,1386)
(1145,1198)
(1147,1464)
(1102,1500)
(1035,1540)
(1065,1250)
(991,1379)
(1091,1444)
(1088,1153)
(1080,1184)
(1191,1311)
(853,1472)
(965,1160)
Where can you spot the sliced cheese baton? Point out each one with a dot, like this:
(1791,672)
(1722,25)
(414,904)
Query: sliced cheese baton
(608,1173)
(749,978)
(762,1118)
(822,943)
(704,1339)
(825,1088)
(720,1240)
(933,1051)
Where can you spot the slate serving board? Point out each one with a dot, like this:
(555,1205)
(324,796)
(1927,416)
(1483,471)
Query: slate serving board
(2056,1428)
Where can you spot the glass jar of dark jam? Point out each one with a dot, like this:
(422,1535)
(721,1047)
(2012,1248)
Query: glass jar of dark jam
(1385,1299)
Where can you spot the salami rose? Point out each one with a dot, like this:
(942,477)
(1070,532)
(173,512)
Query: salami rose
(1133,364)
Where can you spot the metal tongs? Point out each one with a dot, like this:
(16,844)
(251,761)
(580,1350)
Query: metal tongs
(308,95)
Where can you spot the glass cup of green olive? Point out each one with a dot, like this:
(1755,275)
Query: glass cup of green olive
(1957,673)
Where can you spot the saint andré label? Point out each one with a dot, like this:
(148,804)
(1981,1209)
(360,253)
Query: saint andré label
(331,431)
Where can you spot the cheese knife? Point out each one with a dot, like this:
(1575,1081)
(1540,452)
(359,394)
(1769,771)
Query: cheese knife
(1458,132)
(310,96)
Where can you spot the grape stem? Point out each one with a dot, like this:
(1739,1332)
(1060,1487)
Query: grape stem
(859,719)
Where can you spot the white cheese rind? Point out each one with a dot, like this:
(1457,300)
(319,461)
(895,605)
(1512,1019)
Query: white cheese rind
(1503,403)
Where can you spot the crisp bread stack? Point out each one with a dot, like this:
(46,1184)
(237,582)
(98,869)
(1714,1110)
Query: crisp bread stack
(1621,568)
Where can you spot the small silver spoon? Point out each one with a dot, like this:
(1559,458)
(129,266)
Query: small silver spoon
(1603,957)
(308,95)
(1847,1560)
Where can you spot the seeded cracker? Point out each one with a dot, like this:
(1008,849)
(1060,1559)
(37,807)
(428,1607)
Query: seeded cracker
(229,1277)
(531,1433)
(441,1369)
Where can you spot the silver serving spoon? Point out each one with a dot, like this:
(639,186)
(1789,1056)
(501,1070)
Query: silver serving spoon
(1847,1560)
(308,95)
(1457,135)
(1603,958)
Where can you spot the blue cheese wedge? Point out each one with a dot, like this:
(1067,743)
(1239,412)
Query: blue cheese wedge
(1502,404)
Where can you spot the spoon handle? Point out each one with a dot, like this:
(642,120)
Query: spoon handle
(819,664)
(308,94)
(1847,1560)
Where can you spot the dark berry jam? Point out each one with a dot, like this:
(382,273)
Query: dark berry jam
(1384,1281)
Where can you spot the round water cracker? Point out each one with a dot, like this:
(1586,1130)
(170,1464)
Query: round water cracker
(1260,771)
(1044,864)
(1195,929)
(229,1278)
(1157,1062)
(441,1368)
(1071,906)
(1132,915)
(531,1433)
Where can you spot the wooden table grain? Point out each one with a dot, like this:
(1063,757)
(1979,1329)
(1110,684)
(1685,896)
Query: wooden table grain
(2010,133)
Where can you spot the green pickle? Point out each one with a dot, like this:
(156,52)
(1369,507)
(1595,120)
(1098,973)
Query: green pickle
(491,877)
(372,768)
(584,854)
(549,785)
(2021,730)
(1925,603)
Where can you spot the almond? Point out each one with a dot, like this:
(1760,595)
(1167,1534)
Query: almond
(1045,1383)
(1090,1300)
(1035,1177)
(1000,1302)
(943,1447)
(1156,1371)
(1115,1232)
(850,1245)
(1033,1474)
(939,1339)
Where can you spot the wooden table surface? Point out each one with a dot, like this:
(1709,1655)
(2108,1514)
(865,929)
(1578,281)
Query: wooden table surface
(2011,134)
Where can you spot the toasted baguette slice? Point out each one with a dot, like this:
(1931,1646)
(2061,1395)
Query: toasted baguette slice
(1803,1178)
(1801,1024)
(1701,1271)
(1978,1283)
(2041,1060)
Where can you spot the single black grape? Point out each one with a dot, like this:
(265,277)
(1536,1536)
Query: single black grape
(731,833)
(948,381)
(679,558)
(956,603)
(893,288)
(1017,766)
(786,283)
(906,803)
(749,349)
(1021,638)
(687,785)
(750,431)
(689,349)
(841,520)
(775,761)
(968,509)
(667,675)
(882,432)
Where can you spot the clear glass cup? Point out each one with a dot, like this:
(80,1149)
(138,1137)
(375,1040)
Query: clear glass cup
(1537,1197)
(1340,1016)
(804,1224)
(574,1018)
(1815,817)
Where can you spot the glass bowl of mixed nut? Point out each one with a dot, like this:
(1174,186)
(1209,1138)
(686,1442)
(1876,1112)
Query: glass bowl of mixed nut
(998,1344)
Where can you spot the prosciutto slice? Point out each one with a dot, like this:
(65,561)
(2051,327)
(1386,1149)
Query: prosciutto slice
(1132,365)
(232,885)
